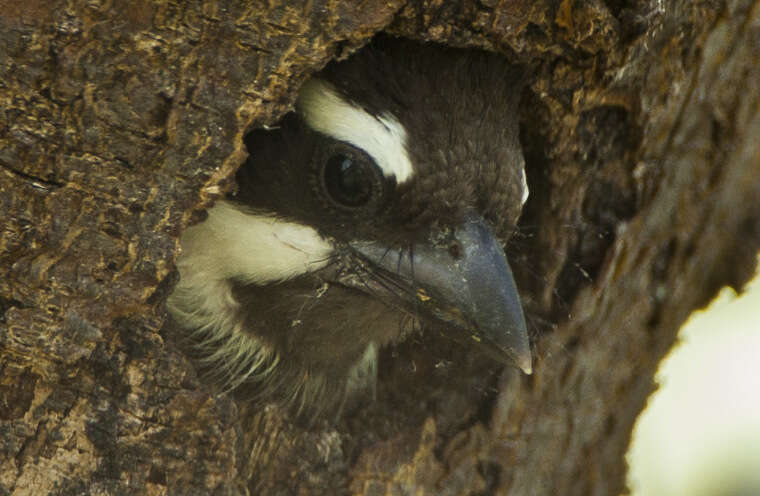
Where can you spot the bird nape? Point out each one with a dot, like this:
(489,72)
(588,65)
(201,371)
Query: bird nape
(379,206)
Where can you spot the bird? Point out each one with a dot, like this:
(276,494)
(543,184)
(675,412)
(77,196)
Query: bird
(378,207)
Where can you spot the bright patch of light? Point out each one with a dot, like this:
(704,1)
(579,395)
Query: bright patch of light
(700,434)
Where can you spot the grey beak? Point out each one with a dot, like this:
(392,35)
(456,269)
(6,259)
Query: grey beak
(462,277)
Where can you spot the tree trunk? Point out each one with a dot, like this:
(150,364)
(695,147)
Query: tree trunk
(641,128)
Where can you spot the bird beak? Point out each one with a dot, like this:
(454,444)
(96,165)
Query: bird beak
(462,277)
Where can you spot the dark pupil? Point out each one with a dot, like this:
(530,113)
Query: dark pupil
(348,182)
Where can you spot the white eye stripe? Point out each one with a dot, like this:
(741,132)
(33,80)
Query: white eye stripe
(382,137)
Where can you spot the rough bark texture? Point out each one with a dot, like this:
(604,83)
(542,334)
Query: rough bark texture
(641,126)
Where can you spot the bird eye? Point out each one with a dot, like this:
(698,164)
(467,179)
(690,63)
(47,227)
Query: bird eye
(349,181)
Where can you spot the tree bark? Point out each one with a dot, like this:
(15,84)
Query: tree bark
(120,120)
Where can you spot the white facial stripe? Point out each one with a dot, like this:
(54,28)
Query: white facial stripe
(524,181)
(233,243)
(383,137)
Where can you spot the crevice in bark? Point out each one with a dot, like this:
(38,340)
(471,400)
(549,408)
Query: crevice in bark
(35,181)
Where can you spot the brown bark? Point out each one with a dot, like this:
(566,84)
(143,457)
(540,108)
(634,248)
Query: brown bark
(642,136)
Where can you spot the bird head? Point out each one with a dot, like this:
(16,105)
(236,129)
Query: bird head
(379,206)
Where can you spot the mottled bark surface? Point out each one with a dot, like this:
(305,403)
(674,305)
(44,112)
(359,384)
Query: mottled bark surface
(119,119)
